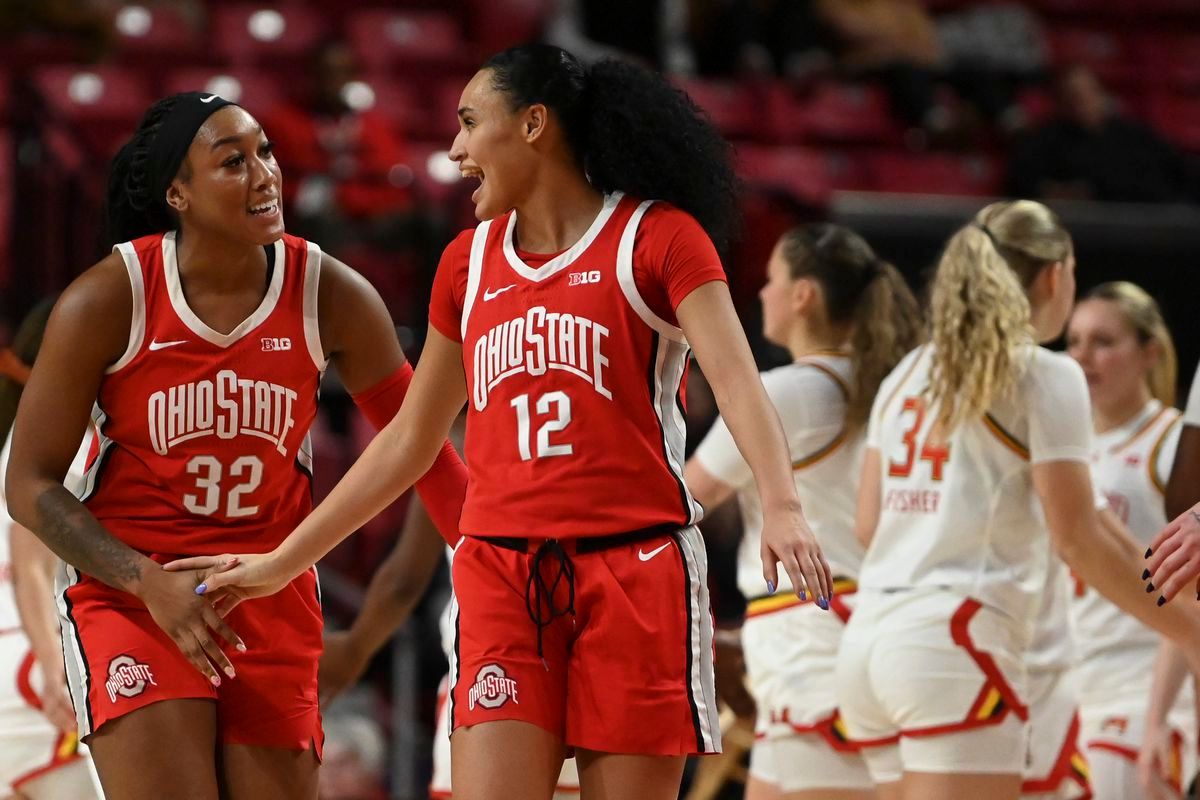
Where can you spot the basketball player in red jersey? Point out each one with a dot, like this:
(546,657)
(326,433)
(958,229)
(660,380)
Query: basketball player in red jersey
(565,321)
(197,349)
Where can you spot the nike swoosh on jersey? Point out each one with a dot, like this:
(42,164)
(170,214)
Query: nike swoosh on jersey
(644,556)
(488,294)
(164,345)
(208,99)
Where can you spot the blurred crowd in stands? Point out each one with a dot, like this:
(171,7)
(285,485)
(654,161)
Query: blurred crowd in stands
(1060,99)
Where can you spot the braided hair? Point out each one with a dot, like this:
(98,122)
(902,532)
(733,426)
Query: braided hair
(130,209)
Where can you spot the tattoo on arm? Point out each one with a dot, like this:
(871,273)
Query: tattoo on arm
(75,536)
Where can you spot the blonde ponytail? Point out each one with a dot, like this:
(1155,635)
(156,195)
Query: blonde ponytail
(979,310)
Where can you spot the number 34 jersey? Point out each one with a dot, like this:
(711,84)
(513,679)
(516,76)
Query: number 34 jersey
(575,370)
(203,436)
(960,511)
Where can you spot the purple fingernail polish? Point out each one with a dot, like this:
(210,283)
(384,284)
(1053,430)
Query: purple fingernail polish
(803,595)
(1161,600)
(202,588)
(1149,588)
(1145,574)
(770,587)
(1149,552)
(823,603)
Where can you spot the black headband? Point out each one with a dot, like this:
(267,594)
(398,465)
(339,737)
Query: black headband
(175,136)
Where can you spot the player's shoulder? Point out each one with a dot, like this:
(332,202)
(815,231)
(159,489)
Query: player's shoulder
(458,251)
(664,218)
(811,379)
(1046,366)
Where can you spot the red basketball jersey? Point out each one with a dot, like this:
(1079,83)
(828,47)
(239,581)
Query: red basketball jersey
(203,436)
(575,423)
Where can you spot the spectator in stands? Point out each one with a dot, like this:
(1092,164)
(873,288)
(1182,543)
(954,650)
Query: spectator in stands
(759,37)
(1089,151)
(651,32)
(354,759)
(349,161)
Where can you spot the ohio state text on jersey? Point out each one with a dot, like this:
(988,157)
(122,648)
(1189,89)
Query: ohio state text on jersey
(203,435)
(575,423)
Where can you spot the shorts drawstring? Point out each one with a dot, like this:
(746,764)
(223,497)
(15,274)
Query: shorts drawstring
(536,590)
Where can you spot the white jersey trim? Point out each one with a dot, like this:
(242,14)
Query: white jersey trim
(474,272)
(137,323)
(568,256)
(702,690)
(312,326)
(197,325)
(629,284)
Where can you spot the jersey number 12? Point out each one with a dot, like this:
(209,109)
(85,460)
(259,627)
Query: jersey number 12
(561,403)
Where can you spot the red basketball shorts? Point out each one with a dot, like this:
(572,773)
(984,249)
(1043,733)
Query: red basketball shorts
(119,660)
(626,662)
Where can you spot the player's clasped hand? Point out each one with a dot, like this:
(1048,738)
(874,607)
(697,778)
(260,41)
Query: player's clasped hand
(787,540)
(227,580)
(1173,559)
(189,620)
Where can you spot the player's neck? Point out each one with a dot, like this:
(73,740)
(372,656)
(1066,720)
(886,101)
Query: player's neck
(557,212)
(1107,416)
(807,340)
(217,262)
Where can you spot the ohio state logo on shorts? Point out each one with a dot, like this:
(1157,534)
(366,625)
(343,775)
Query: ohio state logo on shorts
(127,678)
(492,688)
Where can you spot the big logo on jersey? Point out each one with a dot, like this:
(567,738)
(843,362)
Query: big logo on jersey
(227,407)
(535,342)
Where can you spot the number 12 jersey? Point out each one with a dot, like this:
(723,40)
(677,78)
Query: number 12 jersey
(575,369)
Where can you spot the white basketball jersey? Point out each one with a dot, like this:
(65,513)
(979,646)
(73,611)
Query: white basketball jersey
(1130,464)
(960,512)
(9,619)
(810,396)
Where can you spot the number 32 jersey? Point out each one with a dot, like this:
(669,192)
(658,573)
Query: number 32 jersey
(203,436)
(575,370)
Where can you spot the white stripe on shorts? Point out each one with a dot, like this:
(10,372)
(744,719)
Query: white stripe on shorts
(702,689)
(78,677)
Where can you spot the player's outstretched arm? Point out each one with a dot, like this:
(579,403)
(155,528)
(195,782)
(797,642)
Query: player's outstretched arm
(395,589)
(1105,556)
(360,341)
(712,328)
(1157,750)
(87,332)
(396,457)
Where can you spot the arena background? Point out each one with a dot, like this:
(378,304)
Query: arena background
(898,117)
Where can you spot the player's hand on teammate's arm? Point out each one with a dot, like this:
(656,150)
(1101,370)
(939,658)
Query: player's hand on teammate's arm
(1173,560)
(189,620)
(788,541)
(343,661)
(1154,761)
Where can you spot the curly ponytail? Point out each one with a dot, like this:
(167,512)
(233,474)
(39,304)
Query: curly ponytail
(979,309)
(631,131)
(130,210)
(859,288)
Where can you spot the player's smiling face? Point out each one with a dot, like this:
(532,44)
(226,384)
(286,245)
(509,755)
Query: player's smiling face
(1114,359)
(230,182)
(493,146)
